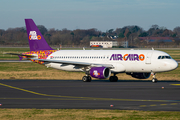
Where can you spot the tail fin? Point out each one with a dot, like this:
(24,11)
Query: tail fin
(36,40)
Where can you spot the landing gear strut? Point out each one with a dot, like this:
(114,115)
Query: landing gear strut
(86,78)
(154,80)
(113,78)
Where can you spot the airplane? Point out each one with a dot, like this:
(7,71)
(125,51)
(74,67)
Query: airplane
(99,64)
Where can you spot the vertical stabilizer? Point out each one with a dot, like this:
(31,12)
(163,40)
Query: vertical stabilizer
(36,40)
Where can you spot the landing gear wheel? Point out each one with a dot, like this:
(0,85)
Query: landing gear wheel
(113,79)
(89,78)
(86,79)
(154,80)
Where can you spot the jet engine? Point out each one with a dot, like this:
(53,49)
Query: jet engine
(100,72)
(140,75)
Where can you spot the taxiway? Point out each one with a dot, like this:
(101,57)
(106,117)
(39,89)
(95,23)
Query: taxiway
(98,94)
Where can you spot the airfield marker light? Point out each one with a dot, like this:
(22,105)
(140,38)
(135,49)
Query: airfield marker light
(0,104)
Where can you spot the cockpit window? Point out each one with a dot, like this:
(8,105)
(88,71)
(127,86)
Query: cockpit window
(168,57)
(164,57)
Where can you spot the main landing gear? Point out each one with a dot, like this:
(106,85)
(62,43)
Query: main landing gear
(113,78)
(154,80)
(86,78)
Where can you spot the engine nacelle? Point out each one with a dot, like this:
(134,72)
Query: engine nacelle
(100,72)
(140,75)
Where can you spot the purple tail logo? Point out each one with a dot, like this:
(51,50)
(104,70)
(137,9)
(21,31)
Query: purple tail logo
(36,39)
(33,36)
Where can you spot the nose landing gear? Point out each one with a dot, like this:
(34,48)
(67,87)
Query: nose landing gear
(154,80)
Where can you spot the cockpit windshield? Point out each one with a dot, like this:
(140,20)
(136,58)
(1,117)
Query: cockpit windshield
(164,57)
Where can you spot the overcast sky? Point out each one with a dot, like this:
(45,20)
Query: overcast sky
(86,14)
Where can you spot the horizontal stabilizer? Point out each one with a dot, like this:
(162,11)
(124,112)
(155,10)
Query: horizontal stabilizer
(21,55)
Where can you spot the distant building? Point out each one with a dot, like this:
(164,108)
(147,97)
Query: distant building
(104,44)
(123,44)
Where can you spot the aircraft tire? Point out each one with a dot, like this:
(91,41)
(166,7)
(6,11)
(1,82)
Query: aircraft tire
(89,78)
(113,79)
(86,79)
(154,80)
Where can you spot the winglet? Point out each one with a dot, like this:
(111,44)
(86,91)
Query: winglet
(20,57)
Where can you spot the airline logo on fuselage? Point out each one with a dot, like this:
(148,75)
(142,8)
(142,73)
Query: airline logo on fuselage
(33,36)
(130,57)
(95,73)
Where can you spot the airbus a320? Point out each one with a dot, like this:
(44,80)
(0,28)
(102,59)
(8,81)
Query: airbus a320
(99,64)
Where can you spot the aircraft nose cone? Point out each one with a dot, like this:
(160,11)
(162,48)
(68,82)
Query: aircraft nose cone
(174,65)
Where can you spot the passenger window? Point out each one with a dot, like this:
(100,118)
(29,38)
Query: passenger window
(163,57)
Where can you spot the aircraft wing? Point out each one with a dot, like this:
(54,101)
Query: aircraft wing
(85,64)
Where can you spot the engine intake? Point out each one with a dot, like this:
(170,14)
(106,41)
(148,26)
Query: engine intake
(100,72)
(140,75)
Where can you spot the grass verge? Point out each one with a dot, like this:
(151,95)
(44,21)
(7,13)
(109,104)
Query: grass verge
(37,71)
(85,114)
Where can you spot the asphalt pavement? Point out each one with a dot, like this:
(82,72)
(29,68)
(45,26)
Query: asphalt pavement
(98,94)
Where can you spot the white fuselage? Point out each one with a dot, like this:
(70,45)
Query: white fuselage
(122,60)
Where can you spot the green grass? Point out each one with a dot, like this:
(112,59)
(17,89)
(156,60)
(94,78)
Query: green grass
(86,114)
(5,67)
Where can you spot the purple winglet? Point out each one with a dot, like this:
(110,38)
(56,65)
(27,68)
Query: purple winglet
(20,57)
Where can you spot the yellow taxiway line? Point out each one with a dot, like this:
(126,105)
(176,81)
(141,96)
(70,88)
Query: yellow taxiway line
(83,98)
